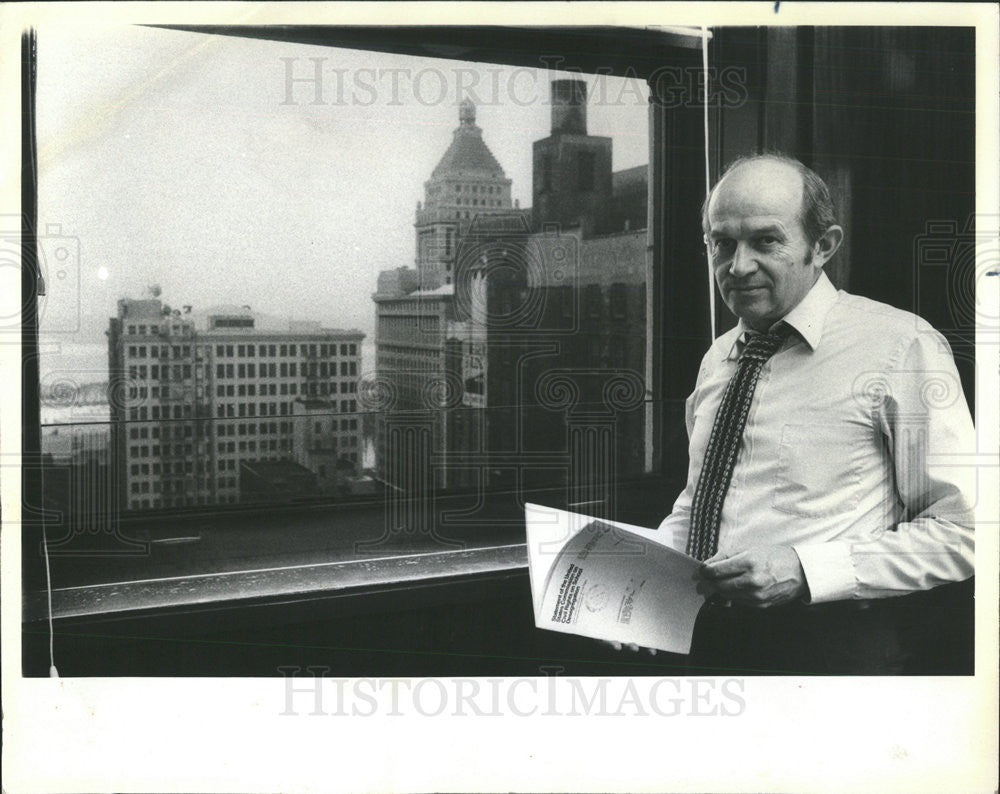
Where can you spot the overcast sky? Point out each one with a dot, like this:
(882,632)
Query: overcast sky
(175,158)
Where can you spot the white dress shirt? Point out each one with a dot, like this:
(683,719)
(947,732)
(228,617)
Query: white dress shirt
(849,450)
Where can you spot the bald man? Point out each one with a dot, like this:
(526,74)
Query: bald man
(819,433)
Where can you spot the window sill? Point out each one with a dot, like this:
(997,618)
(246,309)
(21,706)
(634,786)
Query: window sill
(274,585)
(305,555)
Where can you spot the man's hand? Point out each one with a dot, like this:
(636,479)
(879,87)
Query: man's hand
(763,576)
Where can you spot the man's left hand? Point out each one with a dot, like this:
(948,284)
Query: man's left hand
(762,576)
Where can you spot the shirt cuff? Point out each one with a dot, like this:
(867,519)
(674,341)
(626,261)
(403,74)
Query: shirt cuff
(829,571)
(674,532)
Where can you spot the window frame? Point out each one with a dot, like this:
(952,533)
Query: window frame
(638,53)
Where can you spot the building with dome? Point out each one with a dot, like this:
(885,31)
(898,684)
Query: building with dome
(500,298)
(467,183)
(418,320)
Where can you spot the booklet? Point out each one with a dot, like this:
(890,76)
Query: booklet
(611,581)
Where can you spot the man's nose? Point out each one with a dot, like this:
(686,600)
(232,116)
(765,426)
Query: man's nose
(743,263)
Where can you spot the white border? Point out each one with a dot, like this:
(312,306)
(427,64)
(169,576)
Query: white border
(228,735)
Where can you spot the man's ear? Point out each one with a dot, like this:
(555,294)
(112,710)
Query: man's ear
(827,245)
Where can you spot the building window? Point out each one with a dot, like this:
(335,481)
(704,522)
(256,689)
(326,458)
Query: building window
(585,166)
(619,301)
(545,174)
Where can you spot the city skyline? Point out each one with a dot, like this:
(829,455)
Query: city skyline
(151,134)
(171,409)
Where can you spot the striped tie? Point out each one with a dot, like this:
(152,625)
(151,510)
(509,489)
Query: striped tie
(724,445)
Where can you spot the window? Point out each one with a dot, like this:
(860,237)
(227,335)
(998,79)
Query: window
(401,339)
(585,164)
(619,300)
(545,174)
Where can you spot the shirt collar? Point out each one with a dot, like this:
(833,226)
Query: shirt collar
(806,318)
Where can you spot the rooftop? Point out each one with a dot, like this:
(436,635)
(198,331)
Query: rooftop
(467,154)
(229,320)
(275,468)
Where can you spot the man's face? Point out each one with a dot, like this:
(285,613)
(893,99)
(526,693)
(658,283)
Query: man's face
(763,263)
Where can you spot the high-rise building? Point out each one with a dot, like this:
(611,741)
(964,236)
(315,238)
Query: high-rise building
(506,307)
(467,183)
(417,317)
(191,402)
(557,361)
(571,170)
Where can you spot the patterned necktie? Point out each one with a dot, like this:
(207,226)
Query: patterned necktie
(724,444)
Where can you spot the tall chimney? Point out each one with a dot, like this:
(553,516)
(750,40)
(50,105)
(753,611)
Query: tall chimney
(569,107)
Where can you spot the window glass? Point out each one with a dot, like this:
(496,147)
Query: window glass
(435,269)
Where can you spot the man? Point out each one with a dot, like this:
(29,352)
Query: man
(817,489)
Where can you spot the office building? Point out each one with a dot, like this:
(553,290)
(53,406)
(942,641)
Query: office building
(504,300)
(194,400)
(417,316)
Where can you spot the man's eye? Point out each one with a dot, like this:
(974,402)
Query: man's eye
(722,246)
(767,241)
